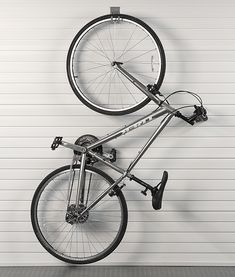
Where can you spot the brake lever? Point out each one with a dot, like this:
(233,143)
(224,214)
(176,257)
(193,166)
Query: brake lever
(200,113)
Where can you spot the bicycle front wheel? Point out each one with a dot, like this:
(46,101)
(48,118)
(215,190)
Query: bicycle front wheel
(55,220)
(90,63)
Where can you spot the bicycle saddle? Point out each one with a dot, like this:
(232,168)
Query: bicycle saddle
(157,192)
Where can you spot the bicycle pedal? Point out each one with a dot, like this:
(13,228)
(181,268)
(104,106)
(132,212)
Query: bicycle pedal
(144,192)
(157,192)
(57,141)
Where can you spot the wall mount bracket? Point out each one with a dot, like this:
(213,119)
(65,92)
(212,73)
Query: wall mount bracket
(114,10)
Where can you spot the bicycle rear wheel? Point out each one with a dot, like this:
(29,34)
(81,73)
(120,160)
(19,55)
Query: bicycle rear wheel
(68,237)
(92,76)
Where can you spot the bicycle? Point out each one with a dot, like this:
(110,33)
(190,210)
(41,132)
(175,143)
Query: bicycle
(78,212)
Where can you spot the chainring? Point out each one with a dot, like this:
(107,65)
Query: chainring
(85,141)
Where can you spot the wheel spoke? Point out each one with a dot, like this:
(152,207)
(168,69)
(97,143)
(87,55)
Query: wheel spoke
(101,75)
(102,46)
(107,76)
(79,239)
(94,67)
(98,50)
(127,88)
(124,50)
(112,44)
(128,50)
(127,41)
(140,55)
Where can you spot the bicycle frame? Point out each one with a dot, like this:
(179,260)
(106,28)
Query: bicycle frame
(163,109)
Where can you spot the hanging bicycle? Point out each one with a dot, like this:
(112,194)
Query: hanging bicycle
(79,213)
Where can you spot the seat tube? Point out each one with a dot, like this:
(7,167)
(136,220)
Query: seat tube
(81,179)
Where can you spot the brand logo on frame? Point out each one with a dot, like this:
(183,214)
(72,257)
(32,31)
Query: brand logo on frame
(137,124)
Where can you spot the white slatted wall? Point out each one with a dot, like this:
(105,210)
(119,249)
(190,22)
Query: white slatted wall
(196,225)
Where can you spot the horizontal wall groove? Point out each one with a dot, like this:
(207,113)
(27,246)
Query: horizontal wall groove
(140,242)
(120,159)
(136,221)
(86,18)
(164,221)
(170,71)
(64,82)
(34,18)
(126,252)
(173,179)
(169,50)
(158,232)
(152,211)
(76,29)
(172,39)
(152,147)
(143,170)
(110,126)
(136,191)
(142,200)
(132,137)
(137,168)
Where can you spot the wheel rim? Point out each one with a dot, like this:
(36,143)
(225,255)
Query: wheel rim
(87,240)
(90,65)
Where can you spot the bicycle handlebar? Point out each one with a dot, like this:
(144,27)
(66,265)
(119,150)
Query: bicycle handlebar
(151,91)
(199,114)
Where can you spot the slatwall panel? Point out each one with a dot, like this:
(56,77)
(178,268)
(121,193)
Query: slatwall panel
(196,225)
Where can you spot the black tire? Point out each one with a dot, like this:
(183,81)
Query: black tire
(83,98)
(48,246)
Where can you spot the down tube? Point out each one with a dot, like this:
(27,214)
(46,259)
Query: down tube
(163,124)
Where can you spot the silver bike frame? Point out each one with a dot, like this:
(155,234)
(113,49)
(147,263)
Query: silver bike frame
(163,109)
